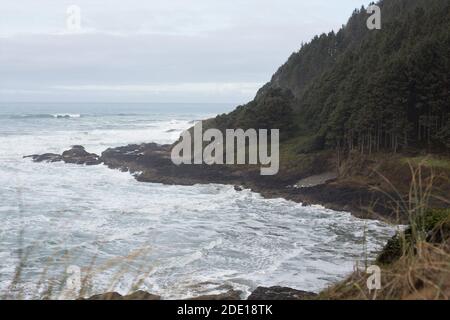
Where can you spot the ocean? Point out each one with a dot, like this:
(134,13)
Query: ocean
(175,241)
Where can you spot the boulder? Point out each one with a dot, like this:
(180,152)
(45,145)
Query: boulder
(78,155)
(280,293)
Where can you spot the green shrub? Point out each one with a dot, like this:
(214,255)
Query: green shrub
(434,224)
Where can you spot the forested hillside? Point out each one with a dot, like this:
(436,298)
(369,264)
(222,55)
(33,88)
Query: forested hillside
(360,89)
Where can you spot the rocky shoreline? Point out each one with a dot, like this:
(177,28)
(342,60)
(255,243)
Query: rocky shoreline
(151,162)
(259,294)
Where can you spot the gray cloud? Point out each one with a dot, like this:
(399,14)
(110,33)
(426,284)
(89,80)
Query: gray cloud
(176,51)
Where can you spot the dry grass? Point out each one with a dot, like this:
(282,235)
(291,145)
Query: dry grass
(58,288)
(422,270)
(423,275)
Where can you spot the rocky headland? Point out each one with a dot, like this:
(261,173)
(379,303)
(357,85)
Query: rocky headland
(151,162)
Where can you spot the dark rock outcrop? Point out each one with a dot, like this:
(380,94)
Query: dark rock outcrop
(46,157)
(105,296)
(78,155)
(138,295)
(280,293)
(143,295)
(153,163)
(135,157)
(229,295)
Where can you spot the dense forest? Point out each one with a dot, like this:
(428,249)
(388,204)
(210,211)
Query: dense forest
(361,89)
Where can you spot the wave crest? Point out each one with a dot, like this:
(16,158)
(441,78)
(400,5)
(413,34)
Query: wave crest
(46,116)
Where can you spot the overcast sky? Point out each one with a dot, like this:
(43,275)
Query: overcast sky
(154,51)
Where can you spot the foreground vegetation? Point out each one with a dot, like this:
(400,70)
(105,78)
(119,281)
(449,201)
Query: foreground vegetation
(415,263)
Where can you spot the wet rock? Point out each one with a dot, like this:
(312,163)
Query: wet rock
(238,188)
(138,295)
(46,157)
(280,293)
(107,296)
(229,295)
(141,295)
(78,155)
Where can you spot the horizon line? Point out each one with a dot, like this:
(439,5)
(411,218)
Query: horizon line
(116,102)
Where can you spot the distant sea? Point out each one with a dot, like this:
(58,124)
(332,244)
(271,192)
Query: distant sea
(175,241)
